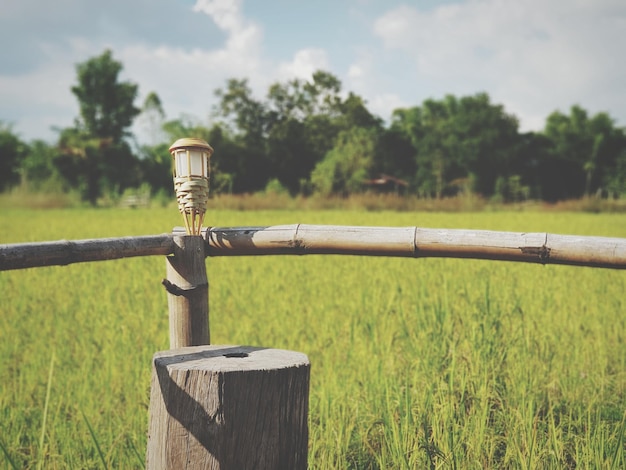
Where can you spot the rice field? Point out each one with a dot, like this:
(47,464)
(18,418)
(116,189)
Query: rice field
(416,363)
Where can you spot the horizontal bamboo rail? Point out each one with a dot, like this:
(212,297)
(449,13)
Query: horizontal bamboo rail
(301,239)
(415,242)
(64,252)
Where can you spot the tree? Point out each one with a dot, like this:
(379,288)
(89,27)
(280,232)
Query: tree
(39,167)
(488,139)
(532,161)
(455,139)
(106,105)
(290,153)
(348,164)
(247,120)
(588,150)
(12,150)
(301,99)
(616,182)
(304,119)
(429,129)
(604,166)
(437,146)
(324,90)
(95,155)
(285,136)
(282,137)
(246,116)
(395,155)
(354,113)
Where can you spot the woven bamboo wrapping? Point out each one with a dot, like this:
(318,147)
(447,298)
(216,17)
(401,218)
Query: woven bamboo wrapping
(192,194)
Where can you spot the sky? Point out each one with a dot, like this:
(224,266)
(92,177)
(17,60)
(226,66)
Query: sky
(531,56)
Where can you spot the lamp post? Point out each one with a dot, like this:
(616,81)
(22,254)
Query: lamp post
(204,399)
(191,180)
(187,284)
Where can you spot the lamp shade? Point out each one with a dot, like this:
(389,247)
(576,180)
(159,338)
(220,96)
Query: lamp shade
(191,180)
(191,158)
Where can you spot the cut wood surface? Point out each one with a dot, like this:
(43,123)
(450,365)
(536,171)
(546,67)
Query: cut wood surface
(228,407)
(302,239)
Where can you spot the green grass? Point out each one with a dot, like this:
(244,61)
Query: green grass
(425,363)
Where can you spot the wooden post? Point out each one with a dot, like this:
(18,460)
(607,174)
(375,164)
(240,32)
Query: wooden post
(228,407)
(188,292)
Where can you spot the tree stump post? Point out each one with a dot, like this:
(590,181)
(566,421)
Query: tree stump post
(228,407)
(187,288)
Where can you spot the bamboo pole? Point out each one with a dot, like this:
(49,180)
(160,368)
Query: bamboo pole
(301,239)
(187,288)
(64,252)
(415,242)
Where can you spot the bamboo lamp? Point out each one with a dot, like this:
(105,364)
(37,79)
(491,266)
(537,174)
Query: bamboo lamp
(191,180)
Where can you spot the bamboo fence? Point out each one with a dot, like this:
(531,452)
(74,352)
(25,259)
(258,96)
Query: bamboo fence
(302,239)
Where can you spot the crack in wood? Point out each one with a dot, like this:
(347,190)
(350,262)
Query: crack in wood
(542,252)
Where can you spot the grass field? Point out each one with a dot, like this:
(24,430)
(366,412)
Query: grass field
(425,363)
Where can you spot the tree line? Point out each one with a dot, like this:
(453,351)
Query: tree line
(309,137)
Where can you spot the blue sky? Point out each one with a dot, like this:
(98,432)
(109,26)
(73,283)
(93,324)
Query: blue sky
(532,56)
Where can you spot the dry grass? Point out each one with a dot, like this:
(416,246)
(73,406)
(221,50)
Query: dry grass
(22,199)
(391,202)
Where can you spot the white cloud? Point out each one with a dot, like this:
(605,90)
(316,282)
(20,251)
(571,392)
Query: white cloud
(41,97)
(305,62)
(225,13)
(366,77)
(184,78)
(54,92)
(384,104)
(355,72)
(534,56)
(244,36)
